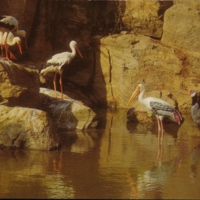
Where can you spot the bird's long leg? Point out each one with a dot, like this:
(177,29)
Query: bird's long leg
(2,53)
(6,47)
(61,88)
(159,126)
(160,129)
(11,55)
(54,85)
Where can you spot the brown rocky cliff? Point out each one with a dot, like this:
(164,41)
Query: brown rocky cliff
(154,50)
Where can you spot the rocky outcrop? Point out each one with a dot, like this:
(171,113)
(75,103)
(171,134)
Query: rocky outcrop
(32,119)
(19,86)
(182,34)
(67,114)
(145,17)
(26,128)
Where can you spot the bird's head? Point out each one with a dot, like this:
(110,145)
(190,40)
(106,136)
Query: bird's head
(21,33)
(73,44)
(138,89)
(193,93)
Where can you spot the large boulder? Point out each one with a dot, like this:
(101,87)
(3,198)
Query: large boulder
(181,28)
(67,114)
(127,60)
(26,128)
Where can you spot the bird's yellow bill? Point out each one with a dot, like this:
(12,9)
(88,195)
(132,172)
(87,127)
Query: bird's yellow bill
(20,48)
(79,52)
(135,93)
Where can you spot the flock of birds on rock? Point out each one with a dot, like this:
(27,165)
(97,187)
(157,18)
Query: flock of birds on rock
(10,35)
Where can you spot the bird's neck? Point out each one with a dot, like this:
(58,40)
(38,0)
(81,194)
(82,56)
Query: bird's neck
(141,96)
(73,53)
(194,100)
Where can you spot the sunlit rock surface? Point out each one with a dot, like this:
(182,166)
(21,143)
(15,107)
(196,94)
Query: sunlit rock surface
(181,28)
(67,114)
(26,128)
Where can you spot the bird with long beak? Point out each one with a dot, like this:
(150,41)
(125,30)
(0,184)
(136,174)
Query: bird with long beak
(8,39)
(10,23)
(158,106)
(58,62)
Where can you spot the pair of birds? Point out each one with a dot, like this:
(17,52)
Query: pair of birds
(163,109)
(10,35)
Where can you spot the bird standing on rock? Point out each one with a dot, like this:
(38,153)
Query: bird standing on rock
(11,24)
(158,106)
(195,109)
(58,62)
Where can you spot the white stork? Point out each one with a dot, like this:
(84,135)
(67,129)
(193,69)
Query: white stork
(58,61)
(158,106)
(10,41)
(195,109)
(10,23)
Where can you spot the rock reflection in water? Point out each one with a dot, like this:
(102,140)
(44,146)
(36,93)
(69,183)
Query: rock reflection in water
(195,159)
(116,161)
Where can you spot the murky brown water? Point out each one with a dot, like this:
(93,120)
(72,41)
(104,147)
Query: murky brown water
(118,161)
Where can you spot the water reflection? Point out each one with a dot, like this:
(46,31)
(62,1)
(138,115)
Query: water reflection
(119,160)
(195,159)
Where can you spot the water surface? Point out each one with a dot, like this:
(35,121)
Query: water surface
(120,159)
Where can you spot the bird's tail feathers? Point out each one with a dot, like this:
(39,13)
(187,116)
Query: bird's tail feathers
(177,116)
(48,69)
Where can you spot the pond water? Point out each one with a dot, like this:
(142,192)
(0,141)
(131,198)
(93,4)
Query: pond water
(122,160)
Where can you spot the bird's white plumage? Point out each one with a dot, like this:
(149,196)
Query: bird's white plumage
(158,106)
(12,40)
(10,20)
(13,22)
(58,61)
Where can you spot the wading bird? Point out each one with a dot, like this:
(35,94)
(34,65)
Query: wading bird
(58,62)
(158,106)
(195,109)
(10,41)
(11,24)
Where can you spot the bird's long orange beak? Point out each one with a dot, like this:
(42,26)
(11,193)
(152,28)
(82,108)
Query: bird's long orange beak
(79,52)
(135,93)
(20,48)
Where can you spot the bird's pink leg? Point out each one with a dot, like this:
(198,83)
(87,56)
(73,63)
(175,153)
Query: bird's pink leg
(5,46)
(160,129)
(61,88)
(11,55)
(6,49)
(54,85)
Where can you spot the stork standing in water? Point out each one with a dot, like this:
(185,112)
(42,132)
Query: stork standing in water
(195,109)
(58,62)
(10,41)
(158,106)
(11,24)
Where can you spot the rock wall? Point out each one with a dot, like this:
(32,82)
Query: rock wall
(160,49)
